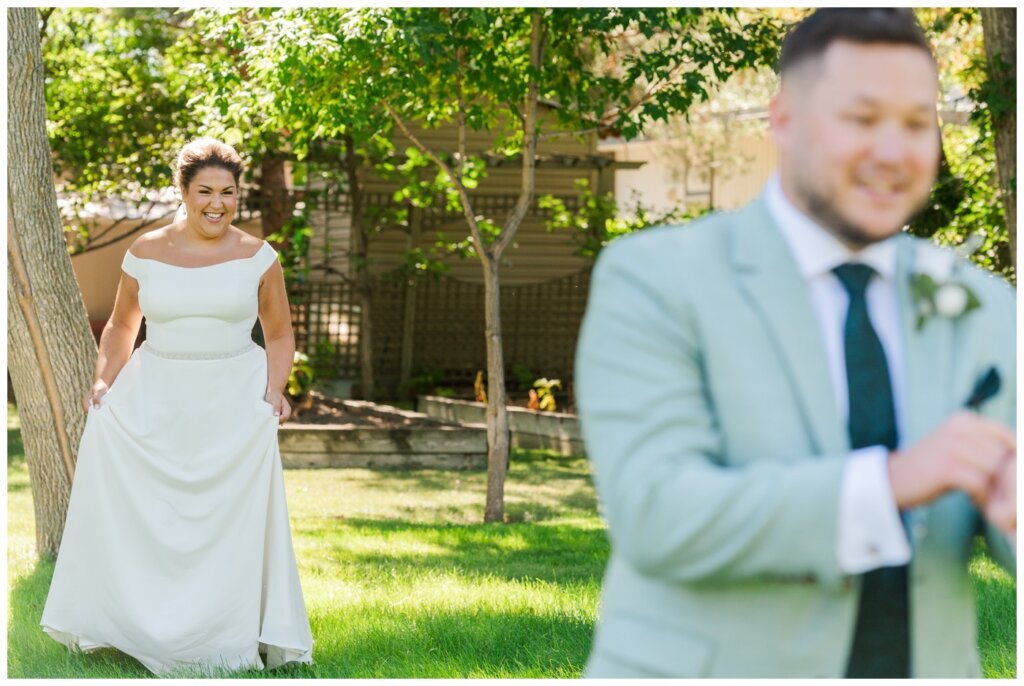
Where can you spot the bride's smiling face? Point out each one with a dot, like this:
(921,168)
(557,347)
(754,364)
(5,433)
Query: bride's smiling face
(211,200)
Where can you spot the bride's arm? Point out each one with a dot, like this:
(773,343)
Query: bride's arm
(276,320)
(118,338)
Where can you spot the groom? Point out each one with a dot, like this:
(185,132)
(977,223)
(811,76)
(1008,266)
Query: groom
(791,482)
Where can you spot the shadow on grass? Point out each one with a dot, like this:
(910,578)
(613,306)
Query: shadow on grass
(524,513)
(539,487)
(551,553)
(526,466)
(371,643)
(365,642)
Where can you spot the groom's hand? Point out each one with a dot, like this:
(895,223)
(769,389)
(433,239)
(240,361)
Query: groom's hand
(967,452)
(1001,510)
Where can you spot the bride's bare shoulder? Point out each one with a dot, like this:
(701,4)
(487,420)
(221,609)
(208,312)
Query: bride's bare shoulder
(152,244)
(248,245)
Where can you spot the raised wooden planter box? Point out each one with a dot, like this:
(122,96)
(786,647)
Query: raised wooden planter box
(528,428)
(401,447)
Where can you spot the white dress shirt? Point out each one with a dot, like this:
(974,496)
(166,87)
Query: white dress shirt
(870,532)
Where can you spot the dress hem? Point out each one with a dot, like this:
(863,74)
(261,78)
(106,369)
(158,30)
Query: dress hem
(276,655)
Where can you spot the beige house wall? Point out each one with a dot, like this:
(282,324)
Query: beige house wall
(659,184)
(537,255)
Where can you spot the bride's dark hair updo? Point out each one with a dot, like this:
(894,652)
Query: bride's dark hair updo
(205,152)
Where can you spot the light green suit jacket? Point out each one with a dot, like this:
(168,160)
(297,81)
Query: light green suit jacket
(709,416)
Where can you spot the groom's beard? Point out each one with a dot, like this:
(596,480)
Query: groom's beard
(828,216)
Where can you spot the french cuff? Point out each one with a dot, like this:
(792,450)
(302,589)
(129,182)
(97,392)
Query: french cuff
(870,532)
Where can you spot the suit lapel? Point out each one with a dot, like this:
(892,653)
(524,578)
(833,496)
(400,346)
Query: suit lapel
(769,277)
(928,357)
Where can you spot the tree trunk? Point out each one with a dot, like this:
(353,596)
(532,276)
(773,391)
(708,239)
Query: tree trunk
(364,287)
(999,29)
(490,258)
(497,412)
(51,350)
(275,206)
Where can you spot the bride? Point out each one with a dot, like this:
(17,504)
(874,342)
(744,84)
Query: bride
(177,549)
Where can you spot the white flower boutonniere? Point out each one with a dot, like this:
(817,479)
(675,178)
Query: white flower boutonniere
(934,286)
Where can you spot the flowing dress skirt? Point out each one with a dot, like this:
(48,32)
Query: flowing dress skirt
(177,549)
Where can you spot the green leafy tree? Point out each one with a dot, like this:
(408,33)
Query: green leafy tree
(122,87)
(277,84)
(975,188)
(967,198)
(597,220)
(326,73)
(489,69)
(116,114)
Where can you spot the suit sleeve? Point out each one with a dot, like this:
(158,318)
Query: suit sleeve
(999,546)
(676,507)
(1001,549)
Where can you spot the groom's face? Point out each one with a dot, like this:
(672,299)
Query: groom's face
(858,138)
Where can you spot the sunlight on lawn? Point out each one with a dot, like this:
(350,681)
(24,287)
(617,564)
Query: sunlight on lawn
(401,578)
(399,575)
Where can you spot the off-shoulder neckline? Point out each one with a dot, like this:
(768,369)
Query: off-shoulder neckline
(205,266)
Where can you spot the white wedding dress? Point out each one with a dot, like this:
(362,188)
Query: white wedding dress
(177,549)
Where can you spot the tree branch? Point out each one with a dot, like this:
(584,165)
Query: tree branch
(538,38)
(107,230)
(653,88)
(467,205)
(44,19)
(126,234)
(416,141)
(118,222)
(327,268)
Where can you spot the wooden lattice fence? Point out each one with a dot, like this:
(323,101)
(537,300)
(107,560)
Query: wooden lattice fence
(325,319)
(540,321)
(540,325)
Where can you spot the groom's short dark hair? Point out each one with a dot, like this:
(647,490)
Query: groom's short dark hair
(887,25)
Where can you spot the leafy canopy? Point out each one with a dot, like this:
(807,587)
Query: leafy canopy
(116,100)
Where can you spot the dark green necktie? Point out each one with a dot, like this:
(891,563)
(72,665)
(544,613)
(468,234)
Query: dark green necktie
(881,641)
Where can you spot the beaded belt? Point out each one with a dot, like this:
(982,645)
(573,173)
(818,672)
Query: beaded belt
(198,355)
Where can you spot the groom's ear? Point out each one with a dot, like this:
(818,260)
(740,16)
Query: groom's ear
(780,118)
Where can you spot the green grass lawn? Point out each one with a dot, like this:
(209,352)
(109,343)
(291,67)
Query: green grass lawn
(401,580)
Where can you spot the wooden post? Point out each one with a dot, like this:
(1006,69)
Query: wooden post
(409,311)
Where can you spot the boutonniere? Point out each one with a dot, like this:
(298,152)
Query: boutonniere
(934,285)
